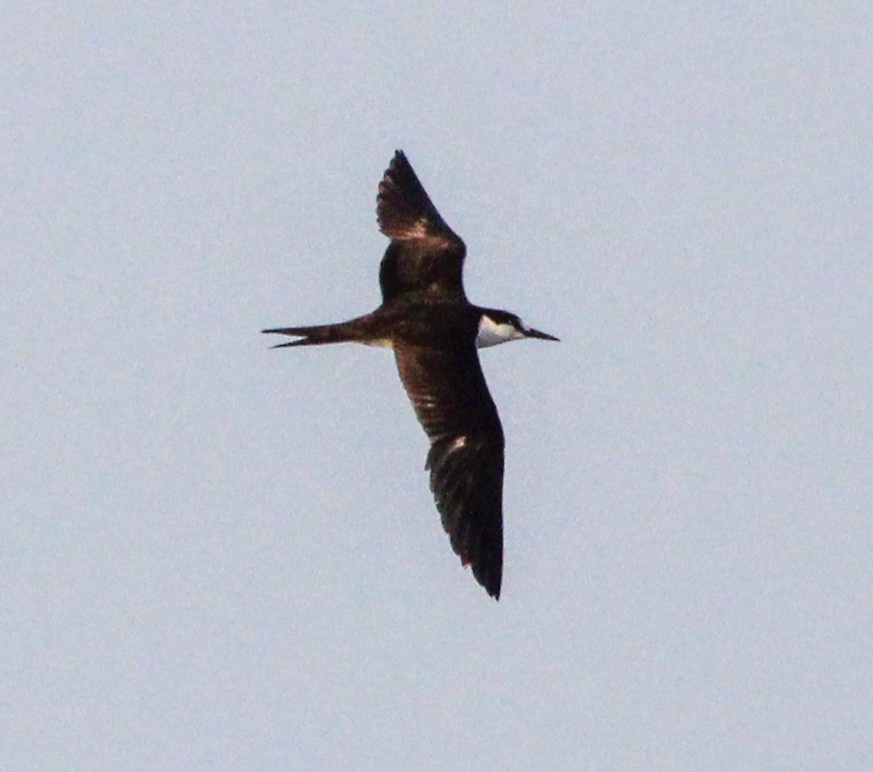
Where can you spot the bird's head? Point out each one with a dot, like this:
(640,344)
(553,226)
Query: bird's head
(496,326)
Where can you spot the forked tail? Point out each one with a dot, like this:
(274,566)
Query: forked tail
(315,336)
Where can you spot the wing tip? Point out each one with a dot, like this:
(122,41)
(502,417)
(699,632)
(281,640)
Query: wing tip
(490,580)
(493,590)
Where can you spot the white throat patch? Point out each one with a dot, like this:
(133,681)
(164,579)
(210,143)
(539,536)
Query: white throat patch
(492,333)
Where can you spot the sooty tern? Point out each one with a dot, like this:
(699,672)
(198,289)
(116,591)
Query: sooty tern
(434,330)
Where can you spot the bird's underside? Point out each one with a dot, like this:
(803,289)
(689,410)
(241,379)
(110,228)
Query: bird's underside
(432,328)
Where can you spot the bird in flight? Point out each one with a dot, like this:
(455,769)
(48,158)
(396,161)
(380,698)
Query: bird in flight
(434,330)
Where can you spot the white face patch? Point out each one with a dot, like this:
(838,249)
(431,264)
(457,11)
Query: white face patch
(492,333)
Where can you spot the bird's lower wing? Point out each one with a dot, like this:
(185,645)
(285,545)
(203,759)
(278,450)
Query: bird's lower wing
(451,399)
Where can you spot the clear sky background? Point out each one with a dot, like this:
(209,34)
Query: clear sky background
(218,556)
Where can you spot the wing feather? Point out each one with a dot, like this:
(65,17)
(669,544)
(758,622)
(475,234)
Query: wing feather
(466,457)
(424,252)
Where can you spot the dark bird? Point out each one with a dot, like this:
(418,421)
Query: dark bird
(434,330)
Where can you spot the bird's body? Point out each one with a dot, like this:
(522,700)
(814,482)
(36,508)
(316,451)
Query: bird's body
(434,331)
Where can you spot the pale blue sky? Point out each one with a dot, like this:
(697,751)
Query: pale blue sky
(217,556)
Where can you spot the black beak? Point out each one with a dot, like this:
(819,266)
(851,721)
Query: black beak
(540,335)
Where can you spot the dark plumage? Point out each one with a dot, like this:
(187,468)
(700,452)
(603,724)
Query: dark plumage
(434,332)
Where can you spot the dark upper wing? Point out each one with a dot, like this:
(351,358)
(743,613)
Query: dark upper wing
(424,252)
(451,400)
